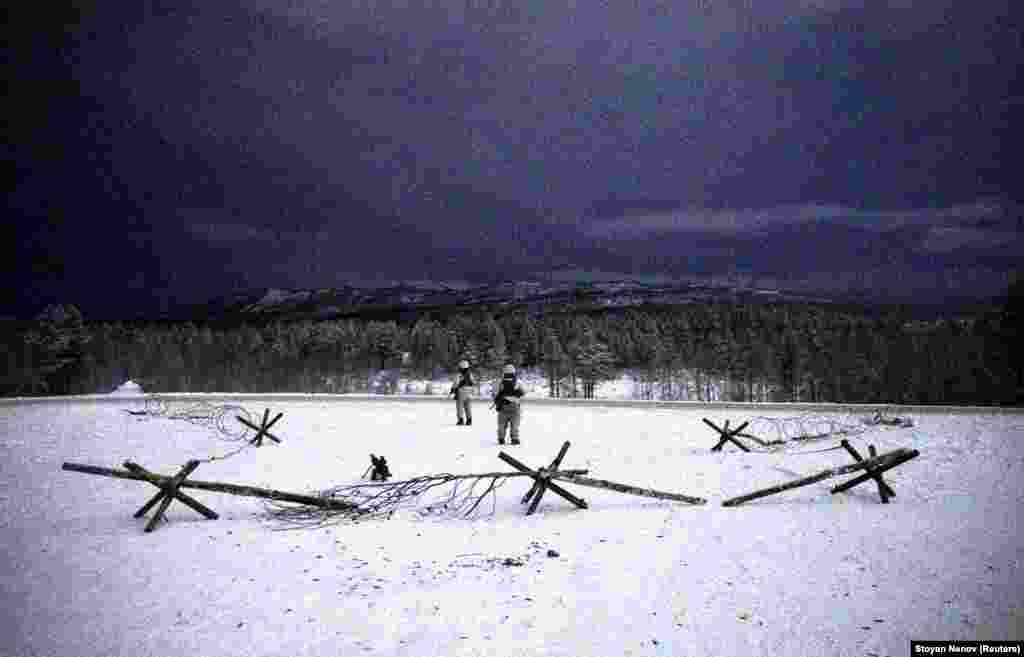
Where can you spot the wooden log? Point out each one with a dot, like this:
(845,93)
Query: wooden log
(537,488)
(762,443)
(727,435)
(541,484)
(732,436)
(856,481)
(553,486)
(890,459)
(168,493)
(625,488)
(217,487)
(554,466)
(263,429)
(148,505)
(530,493)
(184,498)
(884,491)
(104,472)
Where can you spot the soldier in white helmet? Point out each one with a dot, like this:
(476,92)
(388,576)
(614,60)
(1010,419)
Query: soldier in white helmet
(507,400)
(460,390)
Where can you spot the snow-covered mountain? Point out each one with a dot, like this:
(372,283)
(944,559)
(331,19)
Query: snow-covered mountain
(529,294)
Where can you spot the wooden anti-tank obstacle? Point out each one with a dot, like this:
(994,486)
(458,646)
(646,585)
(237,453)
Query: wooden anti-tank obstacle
(263,429)
(884,490)
(169,492)
(169,489)
(170,486)
(542,481)
(727,435)
(873,466)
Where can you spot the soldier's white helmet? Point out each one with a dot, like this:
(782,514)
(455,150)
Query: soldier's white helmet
(463,365)
(509,369)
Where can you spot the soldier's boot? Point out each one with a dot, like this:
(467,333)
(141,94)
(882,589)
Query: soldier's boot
(469,422)
(459,423)
(515,441)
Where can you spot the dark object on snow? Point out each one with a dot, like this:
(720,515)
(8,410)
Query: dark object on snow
(727,434)
(627,489)
(263,429)
(543,480)
(884,491)
(381,472)
(168,493)
(901,422)
(552,553)
(874,466)
(169,489)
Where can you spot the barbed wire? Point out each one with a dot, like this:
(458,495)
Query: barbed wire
(221,419)
(778,435)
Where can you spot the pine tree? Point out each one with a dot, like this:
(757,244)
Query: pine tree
(57,344)
(554,362)
(495,354)
(384,341)
(592,361)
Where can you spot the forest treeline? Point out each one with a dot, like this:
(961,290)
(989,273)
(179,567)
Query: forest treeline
(696,352)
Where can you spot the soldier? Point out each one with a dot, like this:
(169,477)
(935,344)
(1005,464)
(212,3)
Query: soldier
(506,401)
(460,390)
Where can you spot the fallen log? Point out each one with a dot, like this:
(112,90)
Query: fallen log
(625,488)
(871,475)
(168,494)
(884,490)
(542,482)
(878,464)
(187,500)
(214,486)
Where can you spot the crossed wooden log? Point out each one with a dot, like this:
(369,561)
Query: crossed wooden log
(727,435)
(873,467)
(170,490)
(884,490)
(542,481)
(263,430)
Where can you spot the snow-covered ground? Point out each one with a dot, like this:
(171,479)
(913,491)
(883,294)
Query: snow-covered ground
(800,573)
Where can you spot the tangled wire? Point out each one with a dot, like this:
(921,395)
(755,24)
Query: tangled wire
(777,434)
(456,495)
(218,418)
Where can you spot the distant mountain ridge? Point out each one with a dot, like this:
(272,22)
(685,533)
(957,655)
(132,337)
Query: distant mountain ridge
(569,290)
(278,303)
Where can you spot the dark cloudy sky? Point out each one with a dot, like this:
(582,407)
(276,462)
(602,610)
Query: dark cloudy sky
(171,151)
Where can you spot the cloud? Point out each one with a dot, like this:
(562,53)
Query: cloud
(749,220)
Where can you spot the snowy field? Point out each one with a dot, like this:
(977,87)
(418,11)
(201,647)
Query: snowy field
(799,573)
